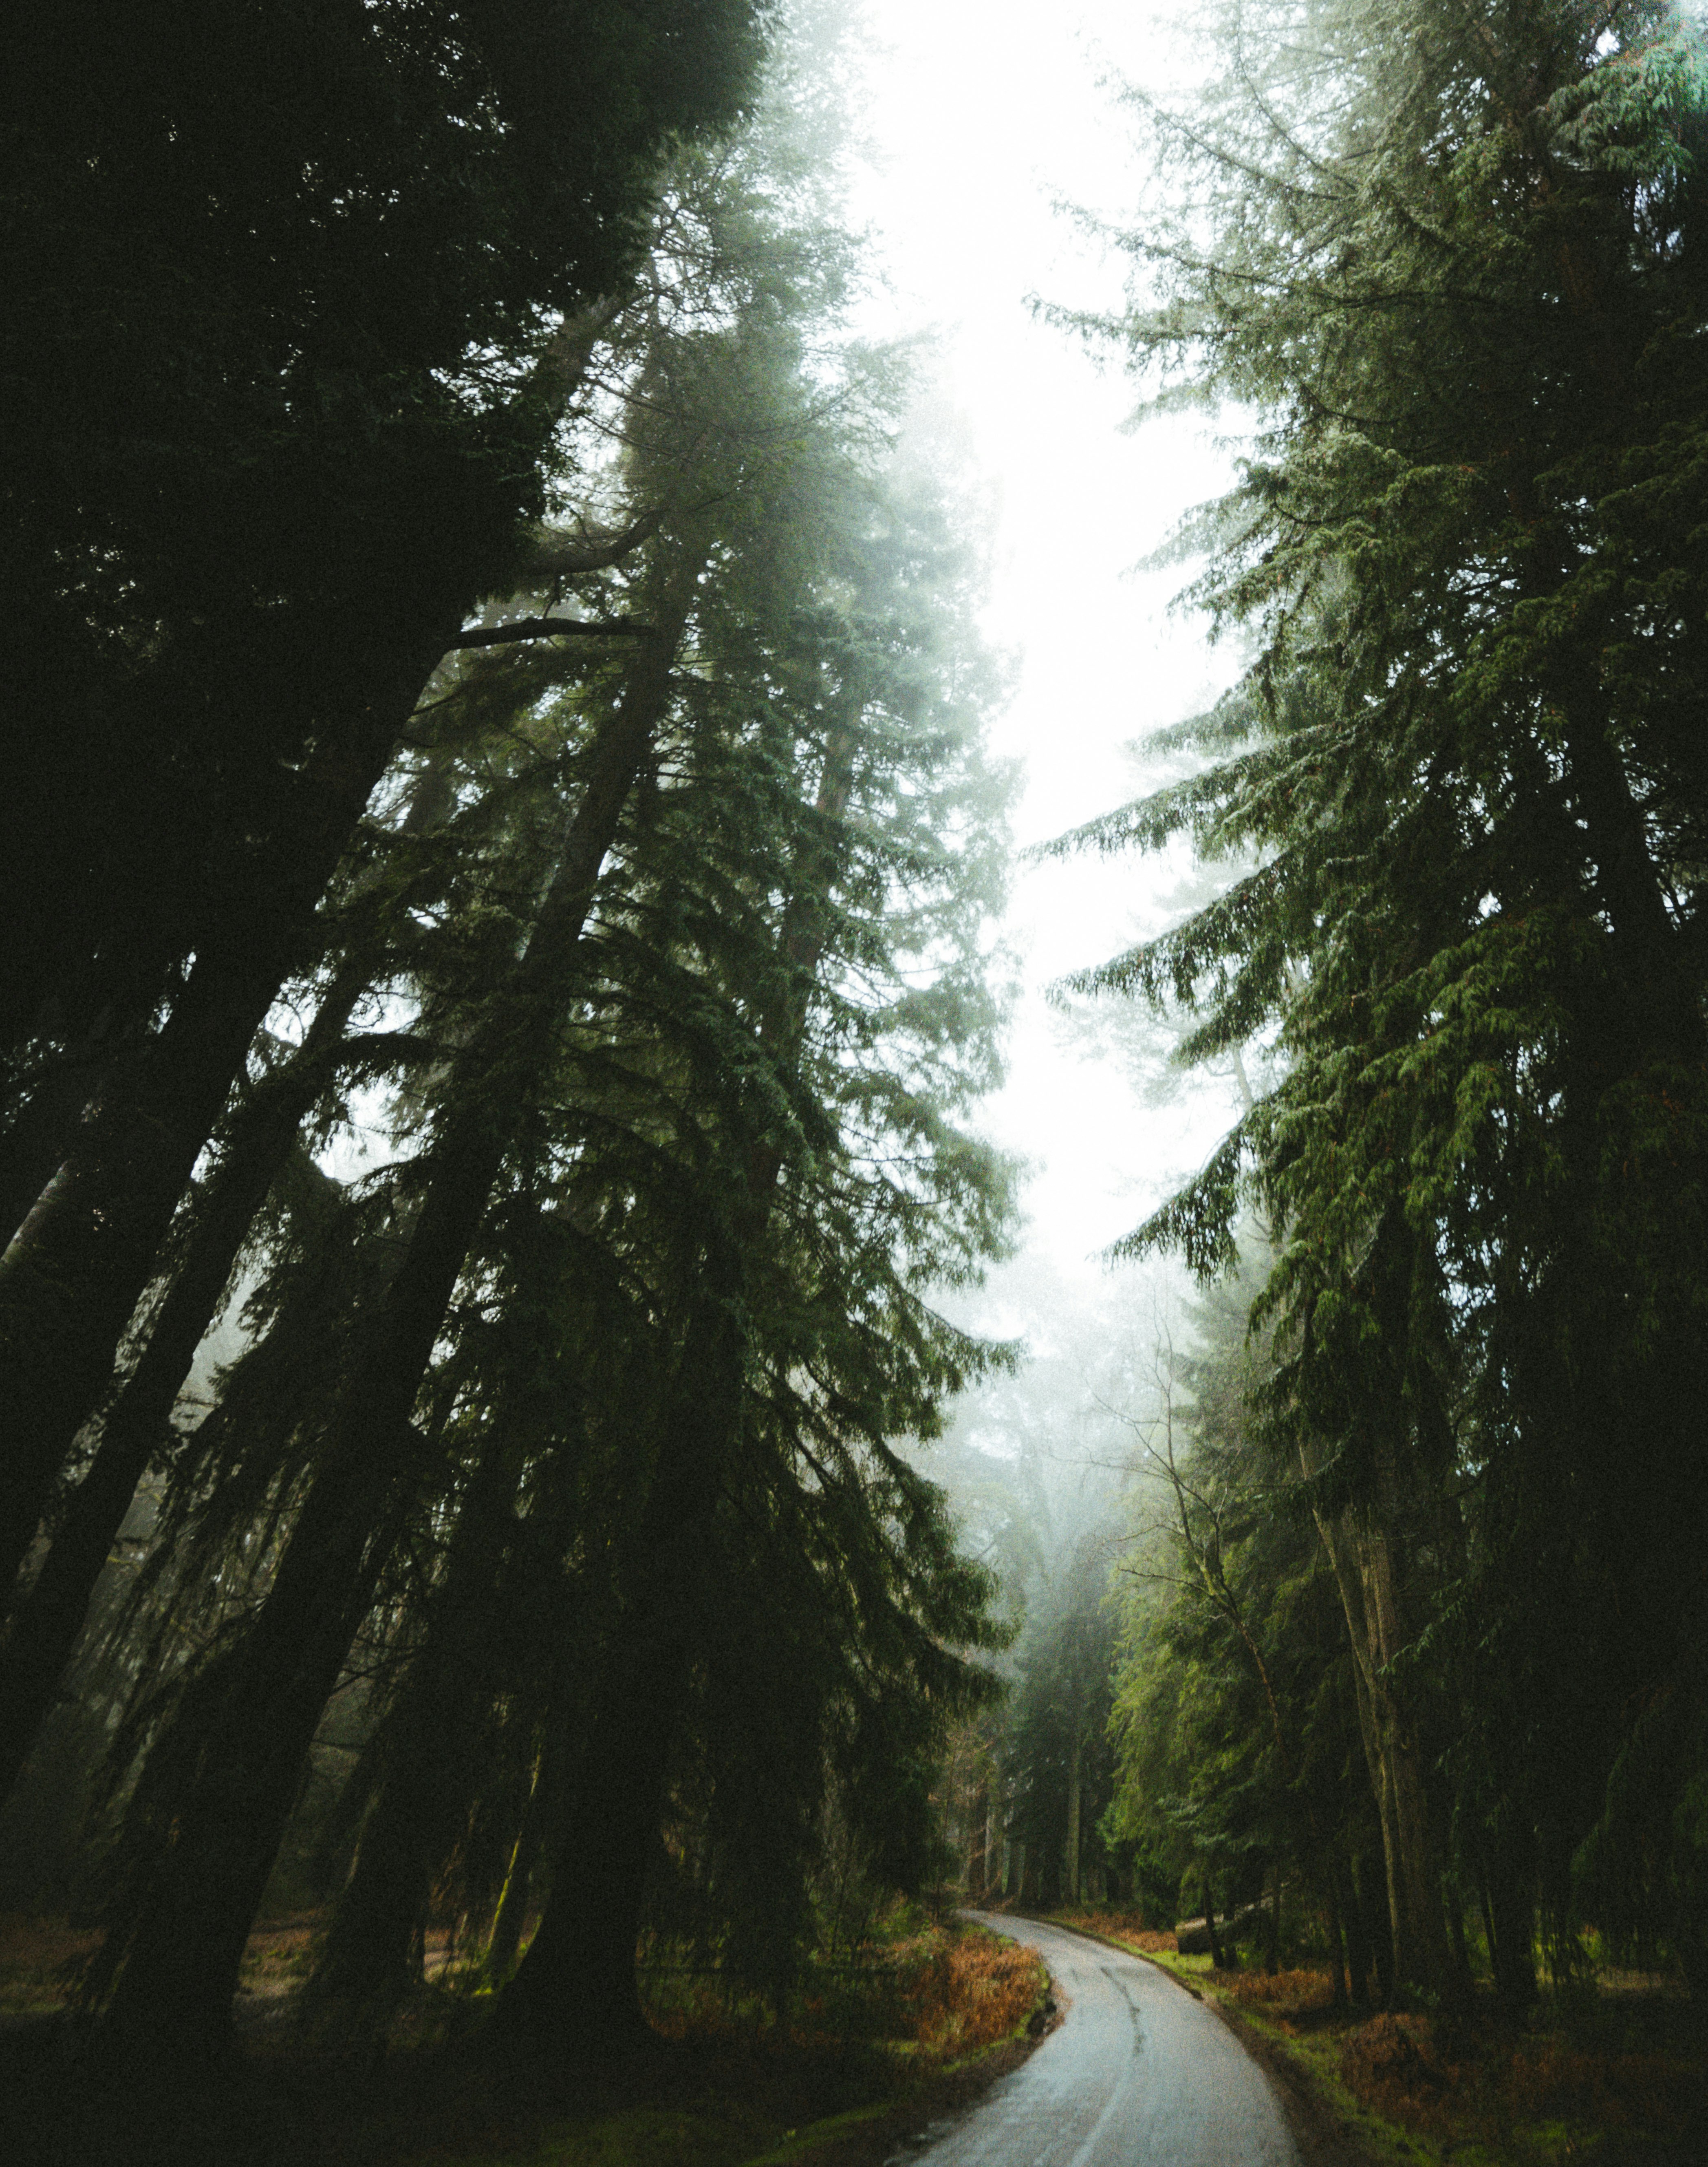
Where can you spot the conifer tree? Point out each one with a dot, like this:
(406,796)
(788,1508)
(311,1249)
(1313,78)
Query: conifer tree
(1454,262)
(753,940)
(345,263)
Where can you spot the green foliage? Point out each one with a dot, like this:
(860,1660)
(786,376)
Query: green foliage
(1453,267)
(292,289)
(656,1452)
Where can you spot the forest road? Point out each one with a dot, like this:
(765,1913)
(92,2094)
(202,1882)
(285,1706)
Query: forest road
(1138,2074)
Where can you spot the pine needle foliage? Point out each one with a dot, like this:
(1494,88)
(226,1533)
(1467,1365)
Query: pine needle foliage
(1450,262)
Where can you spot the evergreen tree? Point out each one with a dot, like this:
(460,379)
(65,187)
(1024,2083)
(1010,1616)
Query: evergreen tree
(624,1341)
(1454,262)
(344,263)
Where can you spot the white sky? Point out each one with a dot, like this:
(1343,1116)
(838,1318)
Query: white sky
(982,116)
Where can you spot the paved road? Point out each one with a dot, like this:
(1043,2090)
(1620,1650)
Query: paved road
(1140,2075)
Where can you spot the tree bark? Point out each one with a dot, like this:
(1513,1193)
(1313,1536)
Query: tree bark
(364,1965)
(1661,992)
(1272,1961)
(1210,1934)
(48,1618)
(1339,1939)
(1071,1860)
(1362,1561)
(1373,1927)
(1512,1900)
(34,1145)
(71,1280)
(512,1915)
(575,1988)
(978,1838)
(179,1938)
(177,1934)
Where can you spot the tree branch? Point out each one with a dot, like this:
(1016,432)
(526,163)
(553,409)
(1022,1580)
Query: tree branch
(548,627)
(557,554)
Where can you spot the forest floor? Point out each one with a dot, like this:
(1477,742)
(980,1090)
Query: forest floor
(850,2079)
(1616,2073)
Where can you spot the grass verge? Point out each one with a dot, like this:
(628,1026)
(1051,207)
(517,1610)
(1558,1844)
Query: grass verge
(1617,2078)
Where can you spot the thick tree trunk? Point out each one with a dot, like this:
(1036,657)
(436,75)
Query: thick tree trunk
(977,1838)
(1210,1934)
(1660,986)
(1373,1926)
(1272,1961)
(49,1618)
(1512,1903)
(179,1937)
(73,1274)
(1357,1939)
(1362,1561)
(34,1145)
(1338,1963)
(575,1988)
(412,1824)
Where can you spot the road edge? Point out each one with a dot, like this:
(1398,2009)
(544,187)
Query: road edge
(1319,2137)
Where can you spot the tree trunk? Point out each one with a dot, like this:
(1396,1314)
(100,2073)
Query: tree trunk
(1662,989)
(1359,1557)
(1210,1933)
(1512,1897)
(576,1985)
(575,1988)
(978,1838)
(411,1827)
(177,1931)
(1358,1953)
(1070,1859)
(71,1280)
(48,1619)
(512,1915)
(1337,1958)
(1455,1935)
(1373,1926)
(34,1146)
(180,1936)
(1272,1963)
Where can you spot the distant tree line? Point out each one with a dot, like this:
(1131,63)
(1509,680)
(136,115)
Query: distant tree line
(493,677)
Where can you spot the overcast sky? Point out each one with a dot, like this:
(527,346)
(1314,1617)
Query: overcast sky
(982,116)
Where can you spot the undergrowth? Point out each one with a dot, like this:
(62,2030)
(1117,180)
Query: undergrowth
(937,1994)
(832,2068)
(1621,2079)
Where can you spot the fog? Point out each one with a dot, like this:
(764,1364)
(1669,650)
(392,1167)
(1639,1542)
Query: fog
(980,131)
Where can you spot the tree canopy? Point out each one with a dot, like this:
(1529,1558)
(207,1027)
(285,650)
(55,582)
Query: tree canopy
(1451,263)
(555,1468)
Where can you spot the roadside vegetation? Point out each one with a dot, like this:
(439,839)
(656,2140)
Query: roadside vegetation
(870,2040)
(1612,2067)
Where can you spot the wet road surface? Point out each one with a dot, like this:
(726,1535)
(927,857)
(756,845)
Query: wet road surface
(1138,2074)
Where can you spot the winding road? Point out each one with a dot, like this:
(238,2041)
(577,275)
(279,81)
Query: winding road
(1139,2075)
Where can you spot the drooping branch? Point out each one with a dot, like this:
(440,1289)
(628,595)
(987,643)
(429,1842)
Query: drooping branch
(562,554)
(548,627)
